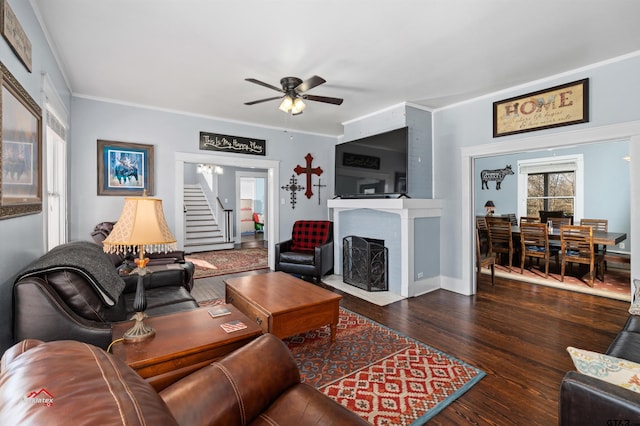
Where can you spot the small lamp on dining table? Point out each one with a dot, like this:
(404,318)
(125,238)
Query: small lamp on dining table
(141,228)
(490,207)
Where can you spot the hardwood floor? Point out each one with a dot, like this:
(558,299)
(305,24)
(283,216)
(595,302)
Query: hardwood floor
(516,332)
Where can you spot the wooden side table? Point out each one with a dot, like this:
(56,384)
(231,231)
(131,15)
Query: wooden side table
(184,342)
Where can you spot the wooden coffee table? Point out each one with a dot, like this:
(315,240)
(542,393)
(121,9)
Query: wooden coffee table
(282,304)
(184,342)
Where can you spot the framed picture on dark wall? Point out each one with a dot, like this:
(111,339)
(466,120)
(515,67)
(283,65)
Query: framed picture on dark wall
(124,168)
(21,149)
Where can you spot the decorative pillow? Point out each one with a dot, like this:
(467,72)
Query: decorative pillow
(607,368)
(635,302)
(309,234)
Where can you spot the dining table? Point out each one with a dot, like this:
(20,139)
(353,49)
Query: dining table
(607,238)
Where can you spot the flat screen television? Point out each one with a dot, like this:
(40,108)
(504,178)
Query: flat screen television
(374,166)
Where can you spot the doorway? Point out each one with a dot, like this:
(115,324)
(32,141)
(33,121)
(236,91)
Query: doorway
(252,197)
(589,181)
(603,134)
(271,170)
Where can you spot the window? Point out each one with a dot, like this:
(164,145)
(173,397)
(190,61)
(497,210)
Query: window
(552,183)
(55,141)
(551,191)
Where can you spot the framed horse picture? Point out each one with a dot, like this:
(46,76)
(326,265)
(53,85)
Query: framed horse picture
(124,168)
(20,149)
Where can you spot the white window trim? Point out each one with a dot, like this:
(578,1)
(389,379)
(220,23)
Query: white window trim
(560,163)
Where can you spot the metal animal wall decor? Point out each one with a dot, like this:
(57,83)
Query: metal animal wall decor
(496,175)
(308,170)
(293,187)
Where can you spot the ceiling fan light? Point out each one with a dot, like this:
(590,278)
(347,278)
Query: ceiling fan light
(298,105)
(286,104)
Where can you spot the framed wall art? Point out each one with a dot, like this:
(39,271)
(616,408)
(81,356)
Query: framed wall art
(124,168)
(20,149)
(14,34)
(554,107)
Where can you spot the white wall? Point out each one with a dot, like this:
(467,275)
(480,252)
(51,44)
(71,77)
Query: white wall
(22,238)
(173,132)
(466,130)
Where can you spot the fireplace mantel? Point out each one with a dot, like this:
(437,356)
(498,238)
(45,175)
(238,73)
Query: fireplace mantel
(412,207)
(408,209)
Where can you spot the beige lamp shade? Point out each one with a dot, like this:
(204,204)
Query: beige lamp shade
(141,224)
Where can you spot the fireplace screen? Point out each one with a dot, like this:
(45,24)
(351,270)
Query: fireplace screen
(364,263)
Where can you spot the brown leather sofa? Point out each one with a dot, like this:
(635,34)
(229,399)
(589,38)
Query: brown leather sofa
(585,400)
(68,382)
(73,292)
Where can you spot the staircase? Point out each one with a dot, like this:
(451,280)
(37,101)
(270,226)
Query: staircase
(202,232)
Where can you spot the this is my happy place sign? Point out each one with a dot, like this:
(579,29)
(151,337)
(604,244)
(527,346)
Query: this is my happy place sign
(237,144)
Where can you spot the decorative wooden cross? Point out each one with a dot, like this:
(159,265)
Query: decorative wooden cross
(309,171)
(319,187)
(293,187)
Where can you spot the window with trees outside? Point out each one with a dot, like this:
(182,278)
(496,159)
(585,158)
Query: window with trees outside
(551,191)
(552,184)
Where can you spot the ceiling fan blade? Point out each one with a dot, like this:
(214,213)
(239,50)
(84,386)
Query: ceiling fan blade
(325,99)
(310,83)
(262,83)
(262,100)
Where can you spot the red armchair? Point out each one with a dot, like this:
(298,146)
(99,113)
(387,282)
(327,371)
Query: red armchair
(309,252)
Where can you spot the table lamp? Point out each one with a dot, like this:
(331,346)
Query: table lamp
(490,207)
(141,228)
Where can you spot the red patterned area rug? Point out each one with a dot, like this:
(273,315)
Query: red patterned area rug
(385,377)
(222,262)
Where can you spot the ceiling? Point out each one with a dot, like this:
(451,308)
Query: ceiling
(192,56)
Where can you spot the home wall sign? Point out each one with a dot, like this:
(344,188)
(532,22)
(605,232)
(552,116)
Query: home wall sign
(496,175)
(236,144)
(309,171)
(362,161)
(554,107)
(14,34)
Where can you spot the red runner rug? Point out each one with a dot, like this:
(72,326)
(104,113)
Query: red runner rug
(222,262)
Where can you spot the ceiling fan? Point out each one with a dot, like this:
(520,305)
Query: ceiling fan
(294,92)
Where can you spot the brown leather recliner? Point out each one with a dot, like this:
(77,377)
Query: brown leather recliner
(68,382)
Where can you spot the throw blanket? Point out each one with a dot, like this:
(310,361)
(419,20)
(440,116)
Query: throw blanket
(84,258)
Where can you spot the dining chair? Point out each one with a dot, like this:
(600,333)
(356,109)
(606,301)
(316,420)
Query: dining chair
(512,218)
(598,225)
(534,242)
(483,232)
(545,214)
(558,222)
(484,261)
(529,219)
(577,247)
(500,238)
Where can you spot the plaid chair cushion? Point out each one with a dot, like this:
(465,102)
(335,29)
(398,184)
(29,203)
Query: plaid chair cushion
(308,234)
